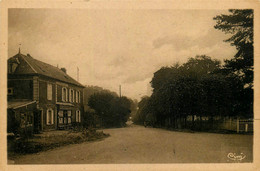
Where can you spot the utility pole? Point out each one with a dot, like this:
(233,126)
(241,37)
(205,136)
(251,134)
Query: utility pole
(19,48)
(120,91)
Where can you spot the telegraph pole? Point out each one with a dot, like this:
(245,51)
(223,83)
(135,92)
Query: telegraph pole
(19,48)
(120,91)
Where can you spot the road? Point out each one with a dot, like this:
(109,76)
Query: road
(136,144)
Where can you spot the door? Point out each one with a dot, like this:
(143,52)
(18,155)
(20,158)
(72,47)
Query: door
(37,121)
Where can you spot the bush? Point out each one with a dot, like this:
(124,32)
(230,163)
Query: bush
(37,144)
(23,146)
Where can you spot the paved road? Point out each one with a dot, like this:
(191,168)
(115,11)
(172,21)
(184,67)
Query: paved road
(136,144)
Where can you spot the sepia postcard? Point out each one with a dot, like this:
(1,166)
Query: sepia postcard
(129,85)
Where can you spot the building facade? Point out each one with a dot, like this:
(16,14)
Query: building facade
(42,96)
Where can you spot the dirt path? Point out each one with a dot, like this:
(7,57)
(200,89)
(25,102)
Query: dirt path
(136,144)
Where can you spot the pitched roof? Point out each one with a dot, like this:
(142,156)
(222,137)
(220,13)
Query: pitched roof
(29,65)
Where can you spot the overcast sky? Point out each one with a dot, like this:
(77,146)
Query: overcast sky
(113,47)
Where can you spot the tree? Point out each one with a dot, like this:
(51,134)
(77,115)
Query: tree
(113,111)
(240,24)
(199,66)
(193,88)
(142,111)
(101,103)
(164,76)
(120,110)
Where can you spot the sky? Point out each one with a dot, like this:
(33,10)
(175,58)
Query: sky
(116,47)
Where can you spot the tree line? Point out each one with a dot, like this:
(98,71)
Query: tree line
(202,87)
(104,108)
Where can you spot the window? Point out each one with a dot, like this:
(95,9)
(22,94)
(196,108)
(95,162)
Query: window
(67,95)
(60,117)
(69,116)
(65,117)
(49,117)
(26,119)
(13,64)
(49,91)
(10,91)
(78,117)
(71,95)
(64,94)
(12,67)
(77,96)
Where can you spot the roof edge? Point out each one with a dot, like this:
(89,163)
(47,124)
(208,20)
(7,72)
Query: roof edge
(28,63)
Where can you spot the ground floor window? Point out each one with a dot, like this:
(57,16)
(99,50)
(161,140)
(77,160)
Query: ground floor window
(10,91)
(78,117)
(61,117)
(69,116)
(64,116)
(49,117)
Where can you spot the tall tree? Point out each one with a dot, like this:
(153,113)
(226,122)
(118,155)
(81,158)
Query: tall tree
(183,90)
(240,24)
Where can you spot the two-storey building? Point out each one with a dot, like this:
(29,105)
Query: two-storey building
(42,96)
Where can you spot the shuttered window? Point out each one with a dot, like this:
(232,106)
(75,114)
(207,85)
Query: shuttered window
(78,116)
(64,94)
(77,96)
(49,91)
(69,116)
(60,114)
(49,117)
(71,95)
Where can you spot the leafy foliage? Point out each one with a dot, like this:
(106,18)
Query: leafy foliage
(240,24)
(198,87)
(112,111)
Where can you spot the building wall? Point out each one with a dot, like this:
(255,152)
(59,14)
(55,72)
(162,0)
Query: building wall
(69,86)
(45,104)
(43,91)
(22,88)
(44,108)
(35,88)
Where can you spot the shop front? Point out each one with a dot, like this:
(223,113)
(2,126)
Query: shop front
(65,116)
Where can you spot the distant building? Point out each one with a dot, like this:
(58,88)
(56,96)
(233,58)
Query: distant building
(42,96)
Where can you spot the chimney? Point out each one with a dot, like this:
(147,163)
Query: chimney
(64,70)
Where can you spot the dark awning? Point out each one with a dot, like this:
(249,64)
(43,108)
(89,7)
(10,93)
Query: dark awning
(18,104)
